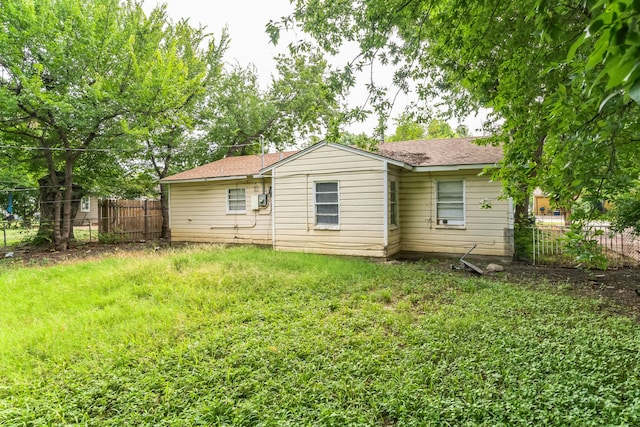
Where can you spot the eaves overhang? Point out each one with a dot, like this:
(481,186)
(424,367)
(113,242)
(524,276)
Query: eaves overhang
(186,181)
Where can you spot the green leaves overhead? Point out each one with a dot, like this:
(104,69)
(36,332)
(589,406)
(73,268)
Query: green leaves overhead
(615,29)
(559,77)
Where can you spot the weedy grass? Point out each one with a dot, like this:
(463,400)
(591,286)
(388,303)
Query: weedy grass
(244,336)
(13,236)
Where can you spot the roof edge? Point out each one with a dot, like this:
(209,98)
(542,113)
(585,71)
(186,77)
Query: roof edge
(445,168)
(189,180)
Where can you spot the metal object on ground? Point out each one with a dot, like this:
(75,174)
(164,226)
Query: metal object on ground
(464,264)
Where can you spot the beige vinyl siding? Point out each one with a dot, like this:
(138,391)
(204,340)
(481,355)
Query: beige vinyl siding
(361,198)
(488,228)
(394,244)
(91,217)
(199,213)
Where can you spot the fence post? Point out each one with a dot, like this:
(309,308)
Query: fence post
(146,219)
(4,233)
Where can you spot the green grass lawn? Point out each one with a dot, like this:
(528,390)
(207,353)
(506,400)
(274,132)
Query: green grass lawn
(247,337)
(13,236)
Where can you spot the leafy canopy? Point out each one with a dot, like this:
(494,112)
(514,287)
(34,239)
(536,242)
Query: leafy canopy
(537,65)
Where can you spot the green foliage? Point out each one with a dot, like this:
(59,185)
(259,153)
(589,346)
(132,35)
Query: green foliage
(523,241)
(203,336)
(80,76)
(579,242)
(440,129)
(299,103)
(15,236)
(361,140)
(626,212)
(552,110)
(615,30)
(108,238)
(407,129)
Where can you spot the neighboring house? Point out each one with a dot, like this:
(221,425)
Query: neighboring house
(417,196)
(87,212)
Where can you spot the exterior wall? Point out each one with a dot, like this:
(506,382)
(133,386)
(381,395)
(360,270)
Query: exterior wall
(395,231)
(361,202)
(198,213)
(88,218)
(489,228)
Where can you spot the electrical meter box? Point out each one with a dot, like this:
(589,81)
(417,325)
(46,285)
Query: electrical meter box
(262,200)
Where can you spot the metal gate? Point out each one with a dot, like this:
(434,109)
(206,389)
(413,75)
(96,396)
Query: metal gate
(621,249)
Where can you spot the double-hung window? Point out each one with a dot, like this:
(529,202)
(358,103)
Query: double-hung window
(393,203)
(236,201)
(327,202)
(85,204)
(450,203)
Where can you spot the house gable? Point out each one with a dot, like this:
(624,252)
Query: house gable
(346,148)
(352,186)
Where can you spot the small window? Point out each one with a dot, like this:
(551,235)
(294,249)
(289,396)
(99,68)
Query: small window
(450,203)
(85,204)
(327,204)
(236,201)
(393,203)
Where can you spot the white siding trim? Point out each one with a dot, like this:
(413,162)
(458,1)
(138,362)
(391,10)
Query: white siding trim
(512,213)
(385,203)
(169,216)
(186,181)
(273,209)
(453,168)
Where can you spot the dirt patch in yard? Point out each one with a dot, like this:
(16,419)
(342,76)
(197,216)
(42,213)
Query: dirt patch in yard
(42,256)
(618,289)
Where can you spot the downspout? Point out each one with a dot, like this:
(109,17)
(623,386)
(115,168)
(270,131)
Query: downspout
(385,207)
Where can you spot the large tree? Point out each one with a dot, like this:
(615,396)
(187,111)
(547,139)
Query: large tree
(170,140)
(75,77)
(299,102)
(530,62)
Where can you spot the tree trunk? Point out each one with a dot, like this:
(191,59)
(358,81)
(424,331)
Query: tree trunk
(164,209)
(521,214)
(66,225)
(53,211)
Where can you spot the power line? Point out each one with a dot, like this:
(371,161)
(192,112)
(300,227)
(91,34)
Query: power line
(109,150)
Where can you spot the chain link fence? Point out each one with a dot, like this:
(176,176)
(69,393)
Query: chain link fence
(559,245)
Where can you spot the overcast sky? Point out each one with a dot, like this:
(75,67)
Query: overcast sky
(246,21)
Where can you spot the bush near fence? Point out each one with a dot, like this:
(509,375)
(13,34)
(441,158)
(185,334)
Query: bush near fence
(559,245)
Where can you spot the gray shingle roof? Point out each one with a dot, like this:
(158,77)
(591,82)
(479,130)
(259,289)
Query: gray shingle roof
(419,153)
(441,152)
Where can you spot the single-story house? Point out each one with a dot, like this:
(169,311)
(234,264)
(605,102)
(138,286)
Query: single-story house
(427,196)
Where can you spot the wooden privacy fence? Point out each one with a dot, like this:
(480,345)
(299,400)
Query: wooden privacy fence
(621,249)
(130,220)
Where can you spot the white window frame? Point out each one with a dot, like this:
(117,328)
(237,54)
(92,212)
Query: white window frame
(448,222)
(244,198)
(393,203)
(85,204)
(323,225)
